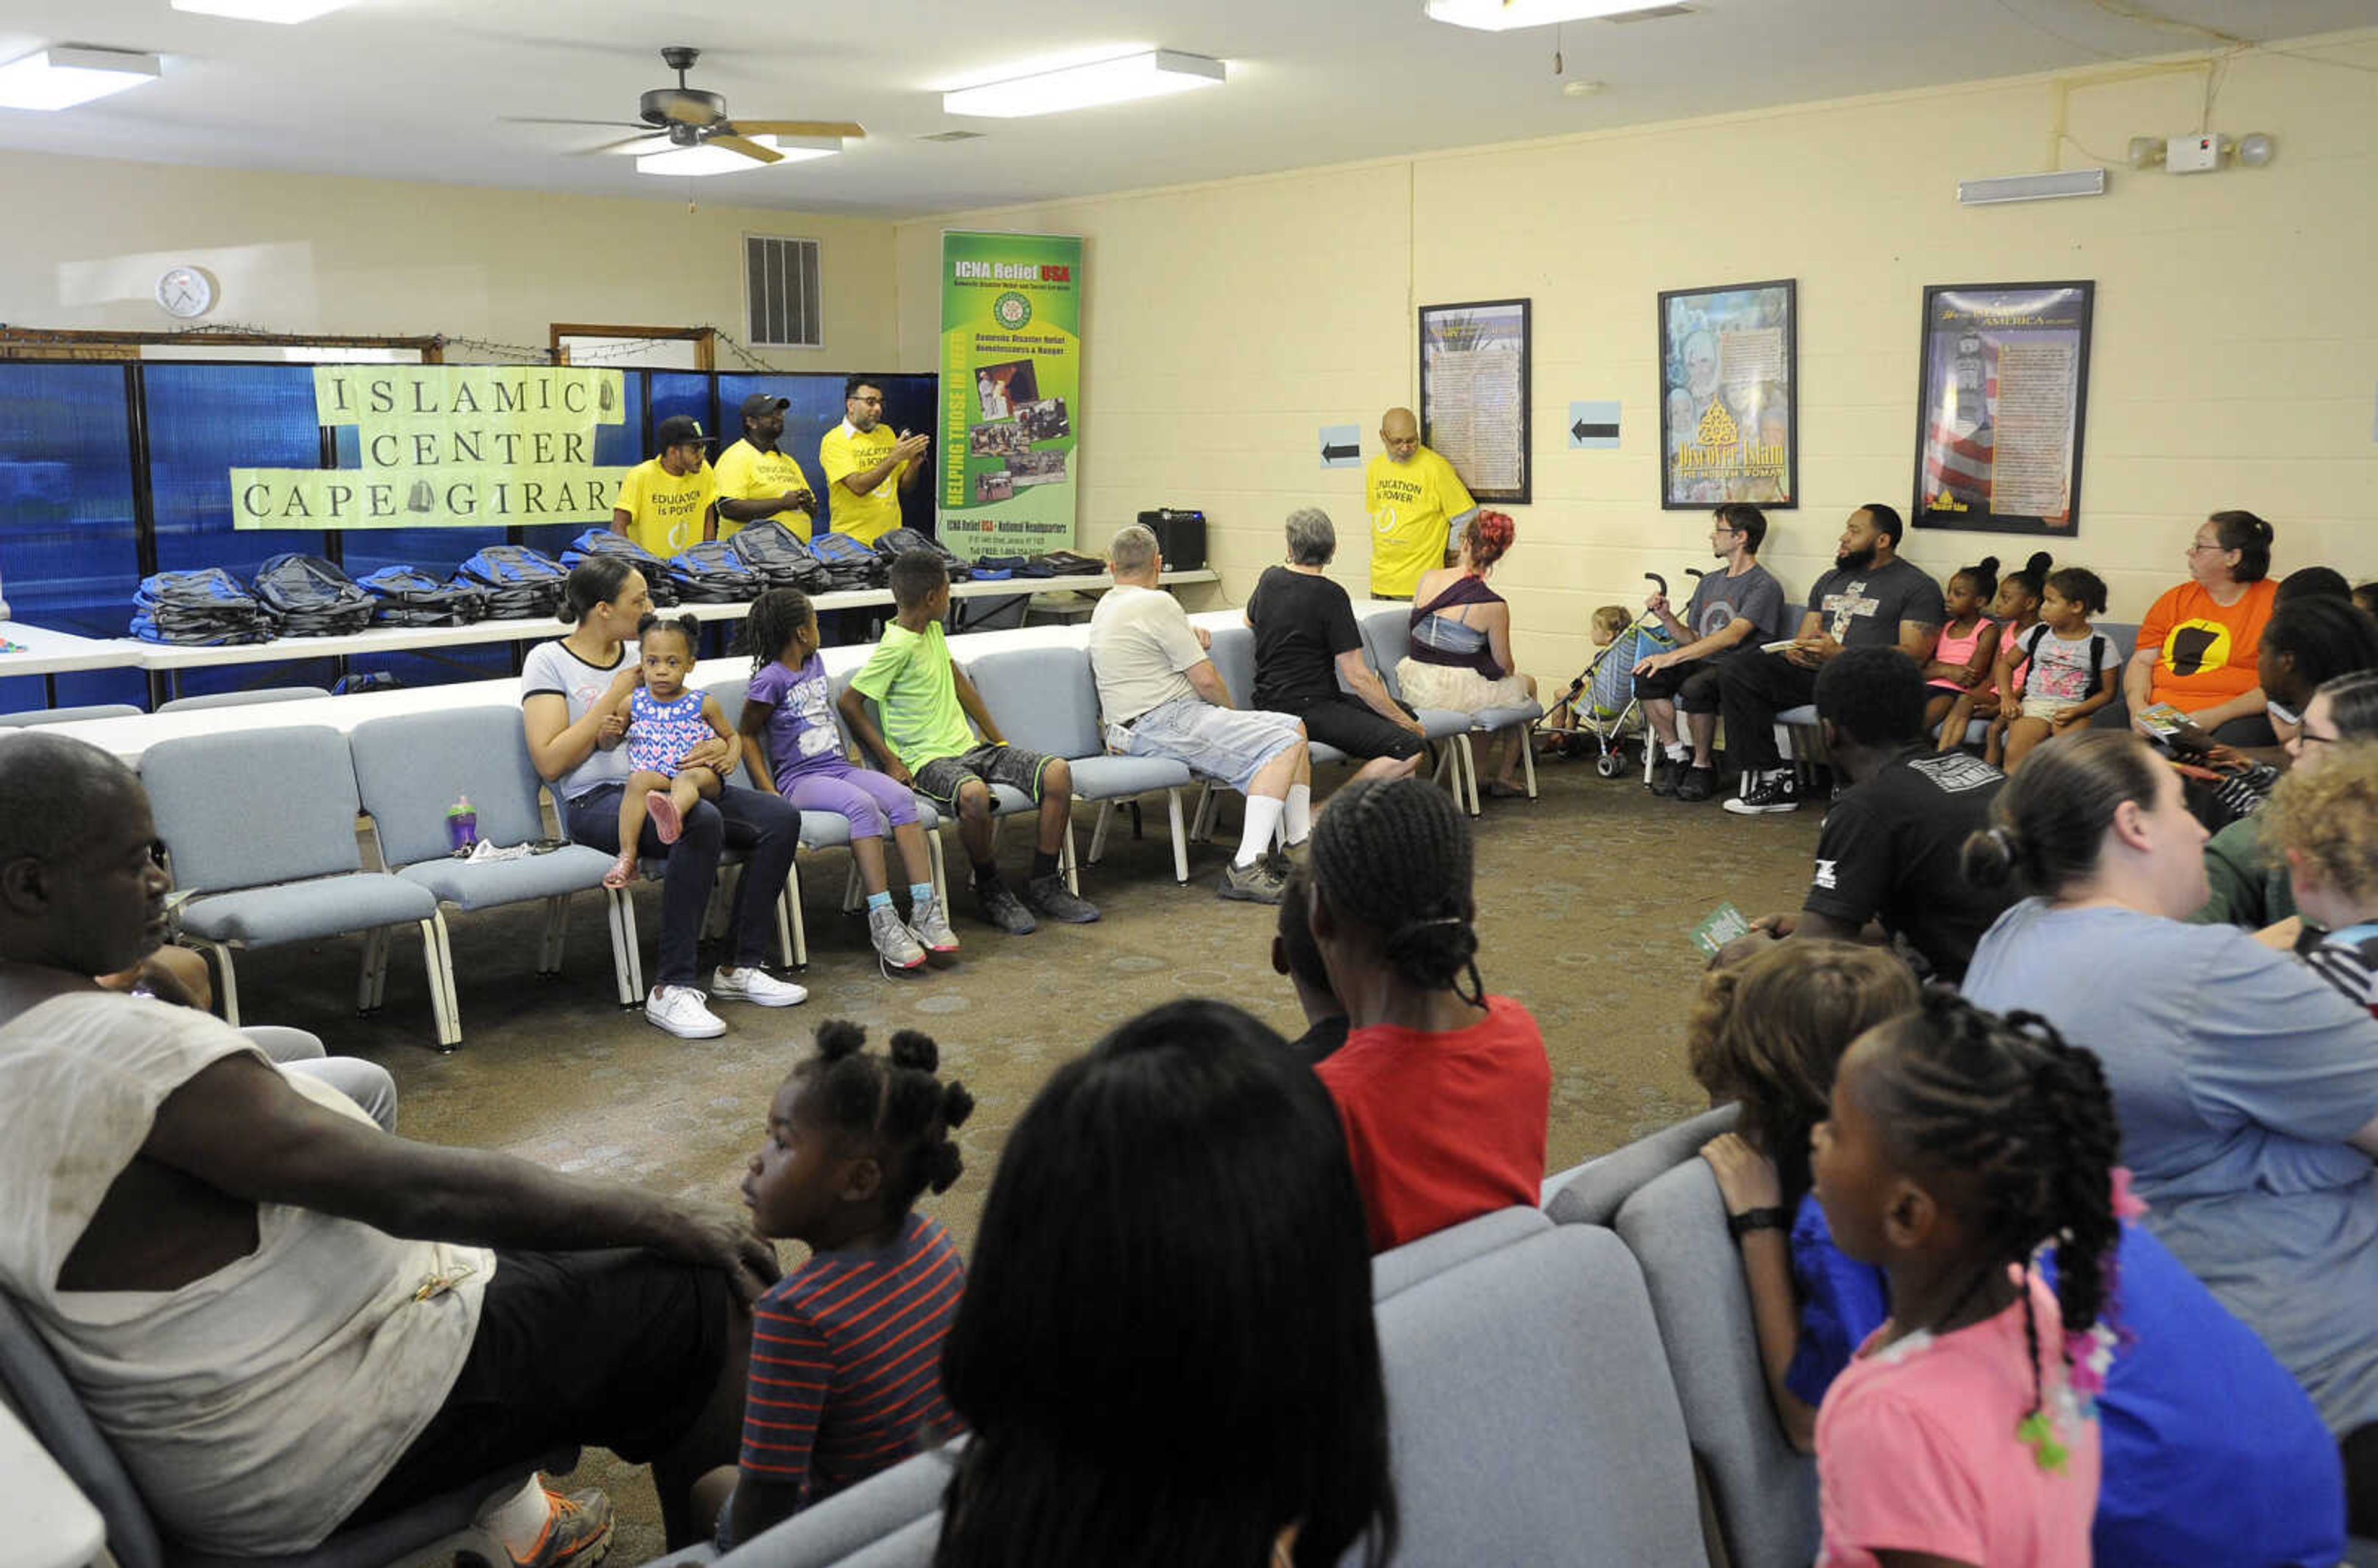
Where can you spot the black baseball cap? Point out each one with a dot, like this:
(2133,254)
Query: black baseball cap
(680,430)
(759,403)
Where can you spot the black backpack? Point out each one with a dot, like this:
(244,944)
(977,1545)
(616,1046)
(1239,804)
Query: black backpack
(900,541)
(778,558)
(2097,655)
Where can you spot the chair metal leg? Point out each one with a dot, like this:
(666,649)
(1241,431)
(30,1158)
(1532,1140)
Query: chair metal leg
(793,908)
(1180,839)
(854,892)
(1465,772)
(557,925)
(1108,811)
(627,963)
(940,873)
(1065,861)
(228,990)
(1207,799)
(1528,760)
(379,968)
(369,968)
(437,958)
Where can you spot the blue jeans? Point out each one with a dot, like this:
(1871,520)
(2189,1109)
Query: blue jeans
(764,827)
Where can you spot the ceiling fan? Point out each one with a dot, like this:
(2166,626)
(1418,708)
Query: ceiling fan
(687,117)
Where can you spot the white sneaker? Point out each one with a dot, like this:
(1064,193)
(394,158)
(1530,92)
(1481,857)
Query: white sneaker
(755,984)
(679,1009)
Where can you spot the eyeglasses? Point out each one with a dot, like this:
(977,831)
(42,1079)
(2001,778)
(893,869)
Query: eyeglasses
(2199,549)
(2306,737)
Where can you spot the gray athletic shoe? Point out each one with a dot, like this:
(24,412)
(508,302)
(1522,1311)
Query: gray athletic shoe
(1049,896)
(894,944)
(1255,883)
(998,905)
(932,928)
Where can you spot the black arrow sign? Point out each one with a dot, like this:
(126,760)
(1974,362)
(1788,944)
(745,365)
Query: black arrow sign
(1330,454)
(1581,430)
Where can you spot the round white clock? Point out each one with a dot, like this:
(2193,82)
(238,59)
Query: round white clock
(185,292)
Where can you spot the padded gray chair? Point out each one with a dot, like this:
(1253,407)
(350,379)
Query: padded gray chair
(1590,1193)
(1764,1490)
(38,716)
(242,698)
(37,1387)
(1532,1415)
(1233,655)
(1387,638)
(260,825)
(1399,1268)
(1047,699)
(410,768)
(892,1519)
(1006,799)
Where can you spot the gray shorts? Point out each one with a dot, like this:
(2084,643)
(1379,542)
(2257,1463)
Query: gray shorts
(1227,744)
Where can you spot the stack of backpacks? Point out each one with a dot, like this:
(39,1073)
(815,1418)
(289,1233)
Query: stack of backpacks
(307,596)
(849,564)
(711,573)
(602,542)
(777,558)
(519,583)
(198,609)
(900,541)
(408,597)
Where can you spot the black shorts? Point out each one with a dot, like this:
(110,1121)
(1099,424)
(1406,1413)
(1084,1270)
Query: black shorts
(1017,766)
(1352,726)
(1692,685)
(620,1350)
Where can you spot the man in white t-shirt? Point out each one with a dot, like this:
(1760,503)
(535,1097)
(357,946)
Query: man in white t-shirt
(1161,697)
(286,1321)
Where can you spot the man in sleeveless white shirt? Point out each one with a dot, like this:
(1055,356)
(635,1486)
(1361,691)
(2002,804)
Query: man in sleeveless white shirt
(285,1320)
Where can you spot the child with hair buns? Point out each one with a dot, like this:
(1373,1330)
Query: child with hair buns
(666,721)
(846,1350)
(1959,675)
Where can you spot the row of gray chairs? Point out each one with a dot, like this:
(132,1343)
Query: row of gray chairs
(38,716)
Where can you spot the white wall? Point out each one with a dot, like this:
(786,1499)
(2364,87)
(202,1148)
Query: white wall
(2235,362)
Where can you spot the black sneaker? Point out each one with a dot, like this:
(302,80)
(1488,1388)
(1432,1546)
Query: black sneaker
(1698,783)
(1049,895)
(1665,774)
(998,905)
(1770,792)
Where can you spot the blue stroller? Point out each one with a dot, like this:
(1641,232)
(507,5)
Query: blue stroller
(1601,702)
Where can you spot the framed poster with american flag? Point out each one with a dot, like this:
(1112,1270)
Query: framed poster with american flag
(2003,402)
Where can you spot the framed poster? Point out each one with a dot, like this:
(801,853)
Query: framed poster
(1473,394)
(1730,396)
(2002,401)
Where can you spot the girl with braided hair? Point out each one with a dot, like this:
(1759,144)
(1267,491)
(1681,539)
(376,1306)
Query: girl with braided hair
(1445,1091)
(793,747)
(1959,1143)
(846,1350)
(2248,1089)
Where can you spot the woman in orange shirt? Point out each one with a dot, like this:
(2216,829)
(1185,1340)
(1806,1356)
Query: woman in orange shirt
(2197,647)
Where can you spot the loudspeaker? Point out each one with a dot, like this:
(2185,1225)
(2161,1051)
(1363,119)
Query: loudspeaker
(1180,534)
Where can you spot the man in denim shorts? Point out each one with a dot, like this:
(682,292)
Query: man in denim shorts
(1161,697)
(926,701)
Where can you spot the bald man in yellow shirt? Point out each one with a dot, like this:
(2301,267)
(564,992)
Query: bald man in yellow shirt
(1415,501)
(867,466)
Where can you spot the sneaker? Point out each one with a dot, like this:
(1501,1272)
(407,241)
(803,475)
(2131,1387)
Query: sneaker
(1775,791)
(755,984)
(997,904)
(577,1530)
(932,928)
(1253,882)
(1049,895)
(680,1011)
(894,943)
(1697,784)
(1665,774)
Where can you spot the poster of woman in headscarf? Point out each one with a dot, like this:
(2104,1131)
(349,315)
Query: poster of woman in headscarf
(1729,409)
(2005,388)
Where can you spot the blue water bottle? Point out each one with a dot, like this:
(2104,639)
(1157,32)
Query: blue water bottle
(462,825)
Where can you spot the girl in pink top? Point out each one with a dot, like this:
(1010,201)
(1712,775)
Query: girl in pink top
(1960,669)
(2016,609)
(1964,1433)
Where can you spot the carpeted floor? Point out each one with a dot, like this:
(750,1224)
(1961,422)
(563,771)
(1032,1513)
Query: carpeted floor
(1586,900)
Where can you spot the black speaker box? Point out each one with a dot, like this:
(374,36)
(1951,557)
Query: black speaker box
(1180,534)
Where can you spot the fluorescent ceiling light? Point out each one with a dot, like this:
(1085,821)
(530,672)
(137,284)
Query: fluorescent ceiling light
(724,161)
(1154,74)
(2031,187)
(263,10)
(1502,16)
(60,78)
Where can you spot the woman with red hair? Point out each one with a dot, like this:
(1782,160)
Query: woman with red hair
(1460,655)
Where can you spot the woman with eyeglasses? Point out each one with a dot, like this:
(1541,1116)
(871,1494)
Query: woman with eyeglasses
(2197,645)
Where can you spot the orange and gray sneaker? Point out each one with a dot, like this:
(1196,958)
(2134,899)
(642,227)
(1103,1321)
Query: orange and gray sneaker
(577,1532)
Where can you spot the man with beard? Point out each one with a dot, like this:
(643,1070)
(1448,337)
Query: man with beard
(1870,599)
(867,466)
(758,479)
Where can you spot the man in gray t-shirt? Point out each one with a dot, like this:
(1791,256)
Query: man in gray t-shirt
(1870,599)
(1739,607)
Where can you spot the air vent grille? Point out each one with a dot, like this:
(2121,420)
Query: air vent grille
(780,292)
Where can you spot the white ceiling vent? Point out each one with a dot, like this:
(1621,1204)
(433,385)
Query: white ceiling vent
(780,292)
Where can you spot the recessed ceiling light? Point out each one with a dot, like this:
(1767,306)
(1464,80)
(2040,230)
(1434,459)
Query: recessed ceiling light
(1501,16)
(1153,74)
(263,10)
(60,78)
(697,161)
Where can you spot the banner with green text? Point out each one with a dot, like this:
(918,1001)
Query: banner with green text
(1011,391)
(440,445)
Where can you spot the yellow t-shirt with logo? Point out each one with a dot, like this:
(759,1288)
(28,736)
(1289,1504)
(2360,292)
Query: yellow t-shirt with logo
(1410,505)
(663,510)
(747,474)
(845,452)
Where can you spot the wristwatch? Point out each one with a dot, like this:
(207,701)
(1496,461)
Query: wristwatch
(1748,1220)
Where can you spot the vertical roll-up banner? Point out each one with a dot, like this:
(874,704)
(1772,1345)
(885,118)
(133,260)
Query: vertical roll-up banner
(1011,391)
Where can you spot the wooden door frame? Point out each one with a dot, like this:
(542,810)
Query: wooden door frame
(704,340)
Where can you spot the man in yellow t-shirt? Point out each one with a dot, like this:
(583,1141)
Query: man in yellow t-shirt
(1415,501)
(664,501)
(867,466)
(756,480)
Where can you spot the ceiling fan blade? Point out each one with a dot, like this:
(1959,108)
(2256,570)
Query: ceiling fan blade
(751,149)
(648,142)
(846,128)
(540,120)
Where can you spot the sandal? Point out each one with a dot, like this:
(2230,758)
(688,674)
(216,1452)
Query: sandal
(1495,789)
